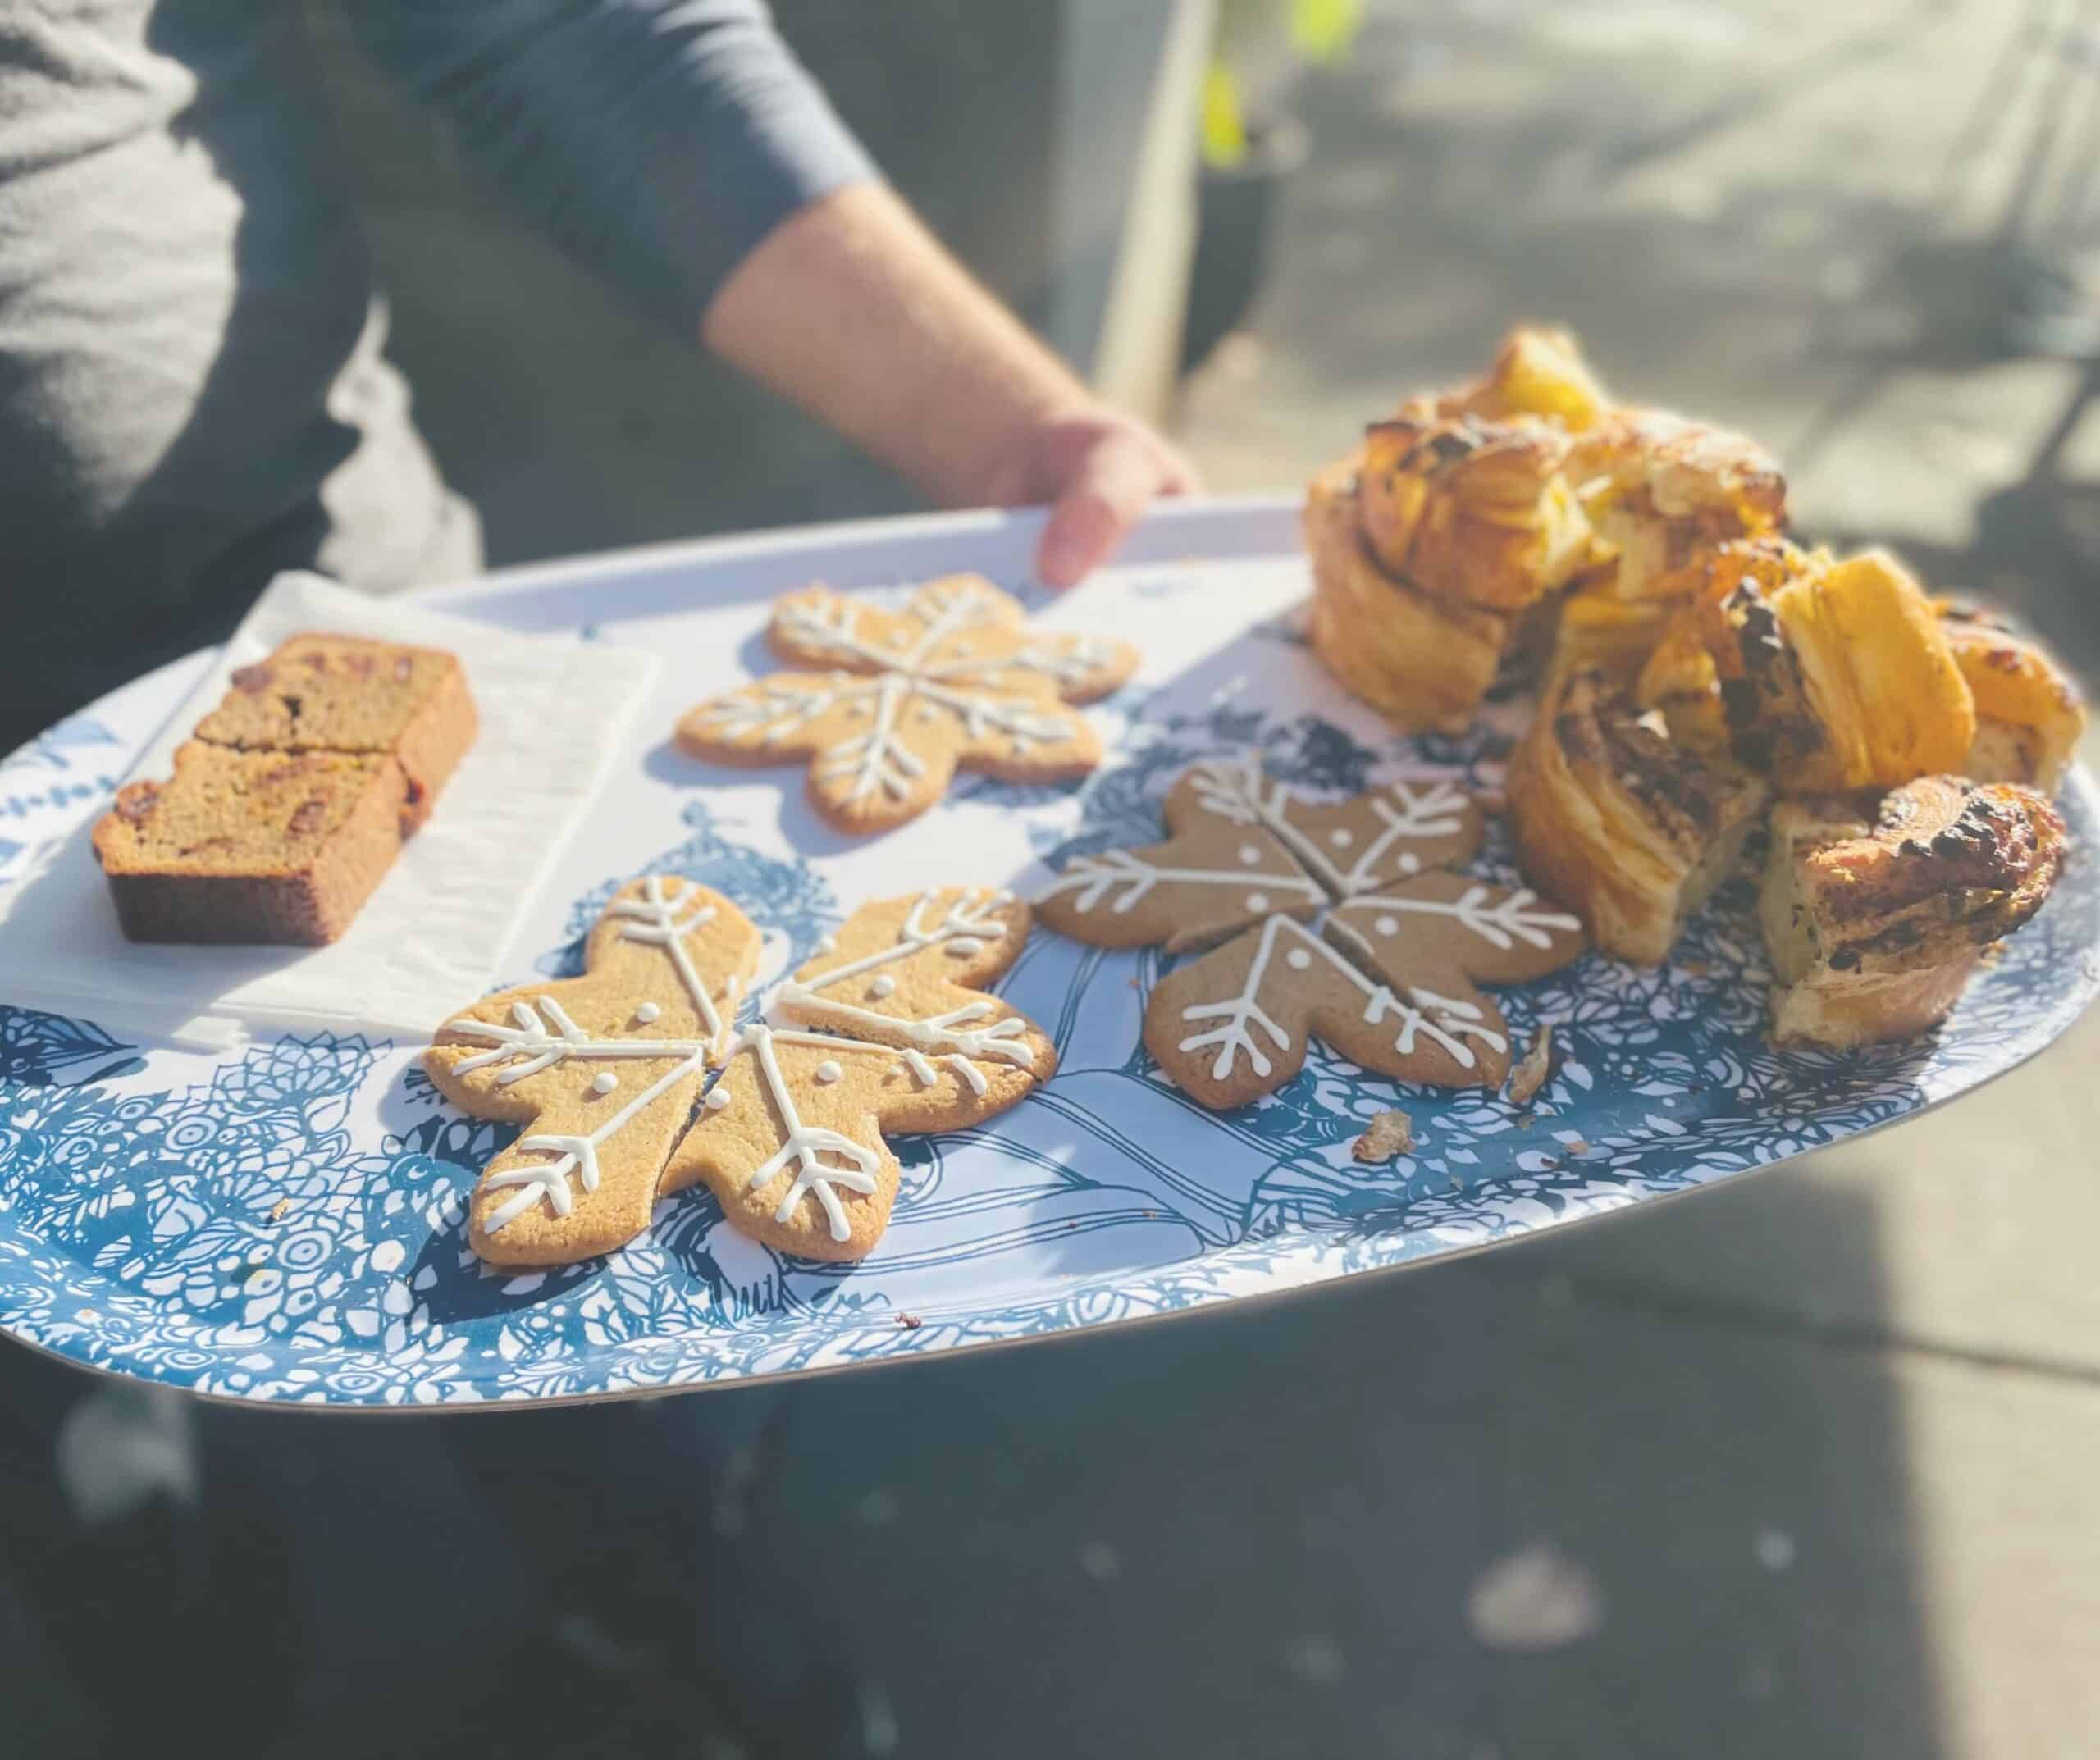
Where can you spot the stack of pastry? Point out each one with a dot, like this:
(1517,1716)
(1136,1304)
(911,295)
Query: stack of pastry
(1907,749)
(1464,531)
(1702,666)
(1874,915)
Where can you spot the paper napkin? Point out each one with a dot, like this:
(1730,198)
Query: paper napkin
(552,713)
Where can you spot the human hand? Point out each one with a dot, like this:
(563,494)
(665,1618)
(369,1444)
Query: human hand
(851,308)
(1098,470)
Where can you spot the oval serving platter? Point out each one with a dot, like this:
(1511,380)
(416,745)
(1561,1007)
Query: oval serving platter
(283,1222)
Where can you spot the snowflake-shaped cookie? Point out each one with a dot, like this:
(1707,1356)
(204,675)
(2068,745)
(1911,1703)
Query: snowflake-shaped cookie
(887,1028)
(1344,920)
(955,678)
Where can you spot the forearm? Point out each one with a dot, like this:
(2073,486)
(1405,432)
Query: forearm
(854,312)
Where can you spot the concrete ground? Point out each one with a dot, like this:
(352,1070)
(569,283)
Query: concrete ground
(1798,1468)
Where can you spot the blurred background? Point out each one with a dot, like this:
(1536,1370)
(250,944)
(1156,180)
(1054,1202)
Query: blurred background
(1801,1468)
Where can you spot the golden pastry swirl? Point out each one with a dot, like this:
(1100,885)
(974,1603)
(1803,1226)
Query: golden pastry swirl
(1833,675)
(1618,822)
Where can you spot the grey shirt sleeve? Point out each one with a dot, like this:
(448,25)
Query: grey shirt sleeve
(657,141)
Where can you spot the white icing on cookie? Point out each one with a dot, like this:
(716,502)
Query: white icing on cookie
(1003,1041)
(549,1180)
(1233,790)
(1443,1020)
(1242,1014)
(964,1039)
(1500,924)
(804,1147)
(920,1066)
(1455,1020)
(541,1035)
(941,675)
(1340,869)
(971,921)
(655,920)
(1094,877)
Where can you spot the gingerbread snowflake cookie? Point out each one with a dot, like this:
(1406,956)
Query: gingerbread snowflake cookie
(956,679)
(886,1029)
(1346,921)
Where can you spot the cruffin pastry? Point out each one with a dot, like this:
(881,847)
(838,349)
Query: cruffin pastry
(1874,915)
(1656,490)
(1528,495)
(1472,509)
(2029,716)
(1698,662)
(1426,662)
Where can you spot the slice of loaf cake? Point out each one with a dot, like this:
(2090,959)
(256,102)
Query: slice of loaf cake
(289,804)
(338,693)
(252,846)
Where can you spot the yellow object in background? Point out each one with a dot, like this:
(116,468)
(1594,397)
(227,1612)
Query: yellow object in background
(1225,119)
(1250,34)
(1322,31)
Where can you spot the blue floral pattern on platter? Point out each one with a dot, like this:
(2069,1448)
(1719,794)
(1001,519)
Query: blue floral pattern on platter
(289,1227)
(51,781)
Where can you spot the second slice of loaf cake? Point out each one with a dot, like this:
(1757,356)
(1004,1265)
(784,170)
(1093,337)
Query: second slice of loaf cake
(252,846)
(343,694)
